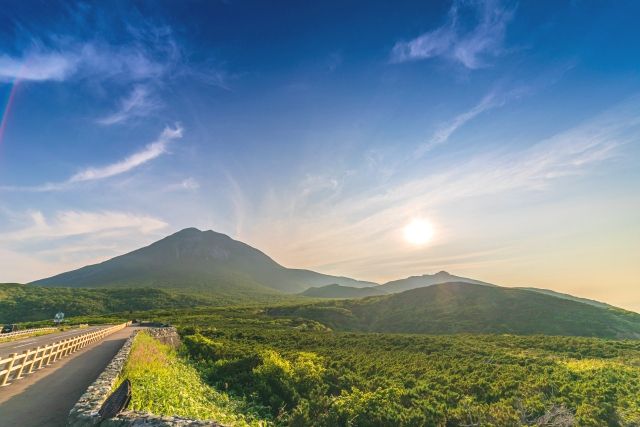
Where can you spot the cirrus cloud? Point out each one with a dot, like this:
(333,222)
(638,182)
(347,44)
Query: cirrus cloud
(473,31)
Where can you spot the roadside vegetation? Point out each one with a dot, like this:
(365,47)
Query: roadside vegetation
(164,384)
(298,372)
(306,375)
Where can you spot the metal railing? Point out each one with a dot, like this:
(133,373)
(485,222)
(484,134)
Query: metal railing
(27,332)
(19,364)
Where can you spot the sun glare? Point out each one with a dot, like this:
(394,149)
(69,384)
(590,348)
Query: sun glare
(418,232)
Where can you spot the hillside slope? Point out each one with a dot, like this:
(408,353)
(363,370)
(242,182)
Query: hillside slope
(470,308)
(204,261)
(569,297)
(339,291)
(23,303)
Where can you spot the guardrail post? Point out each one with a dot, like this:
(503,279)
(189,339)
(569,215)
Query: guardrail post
(9,367)
(53,344)
(44,351)
(56,345)
(33,361)
(24,362)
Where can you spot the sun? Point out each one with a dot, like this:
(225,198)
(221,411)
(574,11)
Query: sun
(418,232)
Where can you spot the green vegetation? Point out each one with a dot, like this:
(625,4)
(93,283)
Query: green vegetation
(300,373)
(163,384)
(468,308)
(339,291)
(30,304)
(25,303)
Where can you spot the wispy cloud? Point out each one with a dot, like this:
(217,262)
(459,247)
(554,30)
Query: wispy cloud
(43,245)
(366,220)
(493,99)
(37,66)
(139,103)
(94,60)
(187,184)
(75,223)
(148,153)
(473,31)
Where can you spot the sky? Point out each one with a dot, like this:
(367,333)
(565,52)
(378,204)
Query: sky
(317,131)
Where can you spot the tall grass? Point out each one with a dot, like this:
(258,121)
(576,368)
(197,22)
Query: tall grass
(164,384)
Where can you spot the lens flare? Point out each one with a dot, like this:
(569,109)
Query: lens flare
(7,109)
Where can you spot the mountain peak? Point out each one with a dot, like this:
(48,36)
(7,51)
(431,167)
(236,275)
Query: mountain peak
(196,232)
(188,230)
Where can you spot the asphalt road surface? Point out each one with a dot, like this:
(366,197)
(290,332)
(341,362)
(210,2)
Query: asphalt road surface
(45,397)
(18,346)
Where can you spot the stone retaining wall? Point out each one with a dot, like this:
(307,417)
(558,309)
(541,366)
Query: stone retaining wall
(85,411)
(168,335)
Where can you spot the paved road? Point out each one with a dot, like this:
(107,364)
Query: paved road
(25,343)
(44,398)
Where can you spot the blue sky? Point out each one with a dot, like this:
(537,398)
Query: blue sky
(317,130)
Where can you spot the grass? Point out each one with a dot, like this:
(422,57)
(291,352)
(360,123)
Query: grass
(164,384)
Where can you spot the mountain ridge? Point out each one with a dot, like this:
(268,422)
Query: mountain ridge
(460,307)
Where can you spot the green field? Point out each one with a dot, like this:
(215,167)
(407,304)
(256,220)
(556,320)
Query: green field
(298,372)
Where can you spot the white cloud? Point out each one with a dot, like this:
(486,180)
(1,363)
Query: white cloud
(76,223)
(37,66)
(187,184)
(94,60)
(459,41)
(150,152)
(493,99)
(138,103)
(45,245)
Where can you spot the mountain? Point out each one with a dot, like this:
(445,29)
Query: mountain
(339,291)
(395,286)
(200,261)
(470,308)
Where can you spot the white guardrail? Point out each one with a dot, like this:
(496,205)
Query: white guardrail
(26,332)
(17,365)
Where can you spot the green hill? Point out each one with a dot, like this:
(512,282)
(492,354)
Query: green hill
(202,261)
(470,308)
(339,291)
(23,303)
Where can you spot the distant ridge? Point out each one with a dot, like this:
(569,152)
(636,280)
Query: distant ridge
(202,261)
(339,291)
(414,282)
(460,307)
(395,286)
